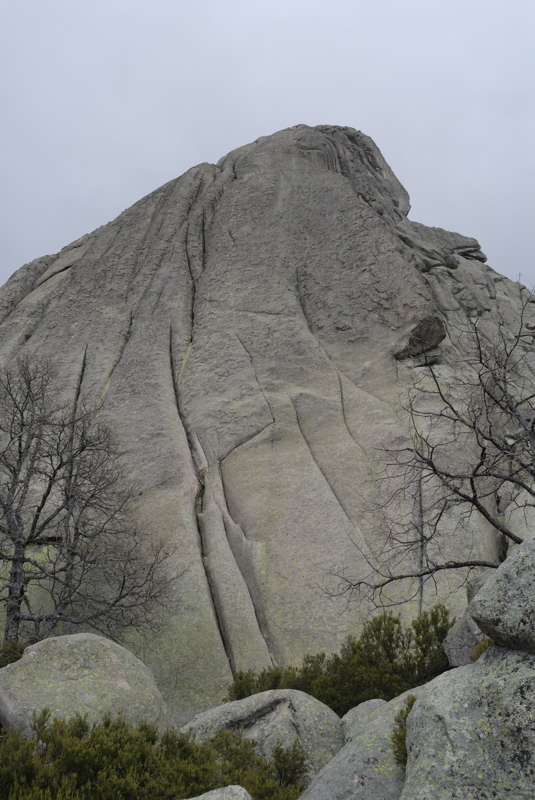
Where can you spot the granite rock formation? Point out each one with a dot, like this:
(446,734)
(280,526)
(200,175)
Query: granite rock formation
(471,731)
(279,716)
(464,635)
(504,608)
(250,329)
(226,793)
(365,767)
(79,674)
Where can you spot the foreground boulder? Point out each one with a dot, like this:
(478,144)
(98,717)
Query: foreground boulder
(504,608)
(79,674)
(471,732)
(365,768)
(227,793)
(280,716)
(464,634)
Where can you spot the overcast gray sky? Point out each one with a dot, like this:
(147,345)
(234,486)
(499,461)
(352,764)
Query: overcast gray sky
(104,101)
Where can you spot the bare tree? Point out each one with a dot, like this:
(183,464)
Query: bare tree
(470,465)
(69,553)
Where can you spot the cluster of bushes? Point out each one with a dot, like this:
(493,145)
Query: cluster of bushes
(72,760)
(399,733)
(9,652)
(384,661)
(112,760)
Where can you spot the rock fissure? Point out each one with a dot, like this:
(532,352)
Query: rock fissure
(53,275)
(212,586)
(316,461)
(344,417)
(251,362)
(122,347)
(78,389)
(246,568)
(294,716)
(246,721)
(247,439)
(198,507)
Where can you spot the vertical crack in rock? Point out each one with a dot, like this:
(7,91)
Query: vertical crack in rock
(212,587)
(78,390)
(245,565)
(295,720)
(122,347)
(251,362)
(316,462)
(301,302)
(244,643)
(199,513)
(344,417)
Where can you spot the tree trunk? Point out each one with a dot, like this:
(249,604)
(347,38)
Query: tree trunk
(15,594)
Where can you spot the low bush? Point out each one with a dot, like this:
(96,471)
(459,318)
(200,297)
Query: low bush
(10,652)
(480,648)
(384,661)
(399,733)
(112,760)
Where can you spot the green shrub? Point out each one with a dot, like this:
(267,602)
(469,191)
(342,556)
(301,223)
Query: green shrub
(399,733)
(384,661)
(72,760)
(480,648)
(290,764)
(10,652)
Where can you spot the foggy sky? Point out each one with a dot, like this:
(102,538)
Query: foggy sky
(103,102)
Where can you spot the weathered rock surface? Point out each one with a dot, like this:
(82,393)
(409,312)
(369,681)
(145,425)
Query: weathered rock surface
(464,635)
(355,718)
(365,767)
(471,732)
(79,674)
(504,608)
(276,717)
(250,329)
(227,793)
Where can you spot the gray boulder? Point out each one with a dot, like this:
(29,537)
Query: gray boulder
(355,718)
(505,606)
(79,674)
(226,793)
(462,637)
(365,768)
(280,716)
(465,634)
(471,732)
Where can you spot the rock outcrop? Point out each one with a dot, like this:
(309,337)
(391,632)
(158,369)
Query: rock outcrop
(226,793)
(280,716)
(365,767)
(504,608)
(471,732)
(250,329)
(79,674)
(465,634)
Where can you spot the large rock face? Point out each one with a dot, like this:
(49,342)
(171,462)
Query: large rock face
(250,328)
